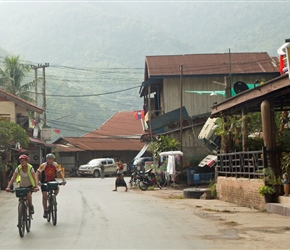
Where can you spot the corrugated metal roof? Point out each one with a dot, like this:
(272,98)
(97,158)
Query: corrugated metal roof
(210,64)
(121,124)
(67,148)
(121,132)
(112,144)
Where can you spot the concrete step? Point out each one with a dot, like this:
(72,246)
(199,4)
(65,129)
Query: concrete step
(278,208)
(282,207)
(285,200)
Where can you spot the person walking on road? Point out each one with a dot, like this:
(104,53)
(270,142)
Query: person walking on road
(120,182)
(9,173)
(102,166)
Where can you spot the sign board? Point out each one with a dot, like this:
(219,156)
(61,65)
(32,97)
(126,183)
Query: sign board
(46,133)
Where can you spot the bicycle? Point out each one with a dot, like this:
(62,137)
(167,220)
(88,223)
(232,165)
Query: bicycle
(52,186)
(24,213)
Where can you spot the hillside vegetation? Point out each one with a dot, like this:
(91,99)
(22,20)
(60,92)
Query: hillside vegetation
(96,50)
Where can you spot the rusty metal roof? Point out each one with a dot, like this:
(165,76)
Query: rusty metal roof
(210,64)
(111,144)
(119,133)
(121,124)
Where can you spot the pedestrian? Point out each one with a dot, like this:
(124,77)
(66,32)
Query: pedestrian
(48,171)
(102,166)
(120,182)
(9,173)
(25,175)
(286,184)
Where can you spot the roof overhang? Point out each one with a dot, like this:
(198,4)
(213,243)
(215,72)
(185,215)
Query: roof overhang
(276,90)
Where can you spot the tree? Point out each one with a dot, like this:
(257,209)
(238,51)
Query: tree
(163,143)
(12,76)
(10,133)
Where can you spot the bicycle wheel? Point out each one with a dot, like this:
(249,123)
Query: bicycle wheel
(49,208)
(54,210)
(28,219)
(21,219)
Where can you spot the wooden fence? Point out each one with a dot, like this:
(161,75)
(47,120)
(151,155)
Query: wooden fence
(248,164)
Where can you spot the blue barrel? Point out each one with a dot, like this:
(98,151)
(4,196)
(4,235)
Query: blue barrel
(190,175)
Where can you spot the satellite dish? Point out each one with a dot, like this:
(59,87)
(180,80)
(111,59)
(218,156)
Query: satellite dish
(240,87)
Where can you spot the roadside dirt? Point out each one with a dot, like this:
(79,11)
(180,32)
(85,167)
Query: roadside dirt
(239,227)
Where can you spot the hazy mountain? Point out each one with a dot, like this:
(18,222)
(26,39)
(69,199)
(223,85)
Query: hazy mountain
(98,48)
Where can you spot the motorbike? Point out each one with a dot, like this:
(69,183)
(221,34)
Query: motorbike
(148,179)
(135,178)
(73,172)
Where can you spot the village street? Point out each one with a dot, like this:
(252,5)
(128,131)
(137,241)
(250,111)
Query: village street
(91,216)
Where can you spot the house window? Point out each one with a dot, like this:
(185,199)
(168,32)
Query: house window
(5,117)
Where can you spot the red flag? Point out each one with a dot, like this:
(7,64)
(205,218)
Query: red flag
(282,64)
(139,114)
(56,131)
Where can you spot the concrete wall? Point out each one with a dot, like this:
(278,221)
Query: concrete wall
(240,191)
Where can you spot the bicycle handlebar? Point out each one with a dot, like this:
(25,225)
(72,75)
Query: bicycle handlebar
(29,189)
(45,183)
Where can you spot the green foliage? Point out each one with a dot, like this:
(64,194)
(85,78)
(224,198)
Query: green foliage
(212,188)
(12,76)
(263,190)
(10,133)
(286,163)
(230,127)
(163,143)
(270,178)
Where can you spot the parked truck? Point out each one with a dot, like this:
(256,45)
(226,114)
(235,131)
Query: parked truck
(93,167)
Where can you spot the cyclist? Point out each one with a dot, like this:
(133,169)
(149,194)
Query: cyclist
(48,171)
(25,175)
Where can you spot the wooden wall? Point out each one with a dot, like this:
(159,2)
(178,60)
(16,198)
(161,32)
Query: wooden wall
(196,103)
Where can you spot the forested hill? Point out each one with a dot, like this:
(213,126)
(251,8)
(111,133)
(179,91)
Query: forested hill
(96,49)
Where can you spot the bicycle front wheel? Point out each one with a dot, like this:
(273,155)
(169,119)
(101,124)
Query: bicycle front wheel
(28,219)
(54,210)
(21,219)
(49,208)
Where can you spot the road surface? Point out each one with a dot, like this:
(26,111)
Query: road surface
(91,216)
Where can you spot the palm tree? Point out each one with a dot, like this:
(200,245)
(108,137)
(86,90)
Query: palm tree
(12,76)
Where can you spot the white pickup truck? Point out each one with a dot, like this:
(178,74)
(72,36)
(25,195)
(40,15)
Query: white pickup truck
(93,167)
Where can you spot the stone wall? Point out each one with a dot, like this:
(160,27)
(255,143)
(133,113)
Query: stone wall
(241,191)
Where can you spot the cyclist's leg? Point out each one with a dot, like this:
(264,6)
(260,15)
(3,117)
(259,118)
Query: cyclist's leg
(56,191)
(44,200)
(29,202)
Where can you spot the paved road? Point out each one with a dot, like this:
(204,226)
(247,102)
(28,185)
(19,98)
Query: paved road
(91,216)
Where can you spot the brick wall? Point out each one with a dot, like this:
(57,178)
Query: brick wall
(241,191)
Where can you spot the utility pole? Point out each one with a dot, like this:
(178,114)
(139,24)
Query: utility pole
(181,118)
(43,87)
(181,103)
(44,92)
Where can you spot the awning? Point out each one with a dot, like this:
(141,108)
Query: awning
(171,153)
(36,141)
(142,151)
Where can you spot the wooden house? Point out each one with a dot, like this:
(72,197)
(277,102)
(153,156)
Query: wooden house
(173,90)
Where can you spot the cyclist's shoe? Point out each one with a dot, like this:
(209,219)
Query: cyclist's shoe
(31,209)
(45,214)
